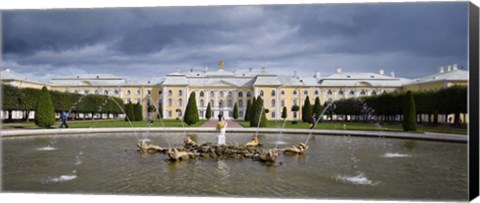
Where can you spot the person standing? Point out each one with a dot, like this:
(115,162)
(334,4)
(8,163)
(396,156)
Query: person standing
(313,121)
(64,118)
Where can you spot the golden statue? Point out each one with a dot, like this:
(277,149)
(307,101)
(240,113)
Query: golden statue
(220,65)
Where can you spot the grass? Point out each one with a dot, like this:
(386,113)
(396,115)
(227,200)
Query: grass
(103,124)
(360,126)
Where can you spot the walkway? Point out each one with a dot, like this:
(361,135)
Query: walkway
(212,123)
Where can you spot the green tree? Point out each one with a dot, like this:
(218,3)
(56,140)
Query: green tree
(252,110)
(191,112)
(409,113)
(248,110)
(129,112)
(44,112)
(284,112)
(307,111)
(208,113)
(138,109)
(317,107)
(235,111)
(256,110)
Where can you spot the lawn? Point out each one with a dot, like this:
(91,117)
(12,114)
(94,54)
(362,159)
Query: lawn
(104,124)
(359,126)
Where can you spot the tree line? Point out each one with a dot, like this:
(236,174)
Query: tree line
(26,100)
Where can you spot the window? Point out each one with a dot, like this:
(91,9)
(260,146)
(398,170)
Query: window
(212,94)
(170,92)
(230,103)
(294,114)
(329,92)
(362,92)
(96,91)
(384,92)
(221,93)
(180,92)
(294,92)
(340,92)
(316,92)
(283,102)
(148,102)
(86,91)
(240,114)
(273,102)
(201,114)
(126,101)
(261,93)
(374,93)
(220,103)
(294,102)
(240,94)
(282,92)
(139,92)
(201,103)
(212,104)
(240,103)
(273,114)
(169,114)
(229,93)
(105,92)
(230,114)
(180,102)
(129,100)
(129,92)
(305,92)
(352,92)
(138,101)
(273,93)
(160,92)
(149,92)
(249,94)
(201,94)
(180,113)
(169,102)
(115,92)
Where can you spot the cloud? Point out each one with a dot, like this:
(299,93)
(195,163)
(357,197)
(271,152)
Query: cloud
(412,39)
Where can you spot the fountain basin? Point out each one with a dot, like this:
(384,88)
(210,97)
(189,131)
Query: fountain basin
(333,167)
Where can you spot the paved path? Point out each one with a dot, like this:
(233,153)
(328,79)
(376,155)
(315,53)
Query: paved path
(213,123)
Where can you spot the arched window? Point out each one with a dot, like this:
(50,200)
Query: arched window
(169,102)
(96,92)
(221,93)
(105,92)
(294,102)
(220,103)
(240,103)
(352,92)
(202,94)
(240,94)
(76,91)
(362,92)
(148,102)
(272,93)
(149,92)
(180,92)
(229,93)
(329,92)
(340,92)
(138,101)
(212,103)
(180,102)
(249,94)
(305,92)
(129,92)
(230,103)
(282,92)
(160,92)
(180,113)
(294,92)
(261,93)
(384,92)
(316,92)
(273,102)
(374,93)
(86,91)
(202,103)
(212,94)
(115,92)
(170,92)
(139,92)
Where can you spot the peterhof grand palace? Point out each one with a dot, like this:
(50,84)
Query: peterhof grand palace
(222,88)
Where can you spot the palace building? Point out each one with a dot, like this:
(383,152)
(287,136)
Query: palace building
(222,88)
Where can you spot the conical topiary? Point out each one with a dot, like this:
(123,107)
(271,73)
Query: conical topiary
(44,112)
(208,114)
(307,111)
(247,111)
(235,111)
(409,113)
(191,112)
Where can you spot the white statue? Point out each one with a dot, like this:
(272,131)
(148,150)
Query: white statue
(222,126)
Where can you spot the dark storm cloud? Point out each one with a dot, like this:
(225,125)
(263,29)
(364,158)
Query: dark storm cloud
(411,38)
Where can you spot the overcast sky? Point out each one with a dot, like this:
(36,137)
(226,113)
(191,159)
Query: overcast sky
(412,39)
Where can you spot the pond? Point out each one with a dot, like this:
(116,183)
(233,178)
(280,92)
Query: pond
(335,167)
